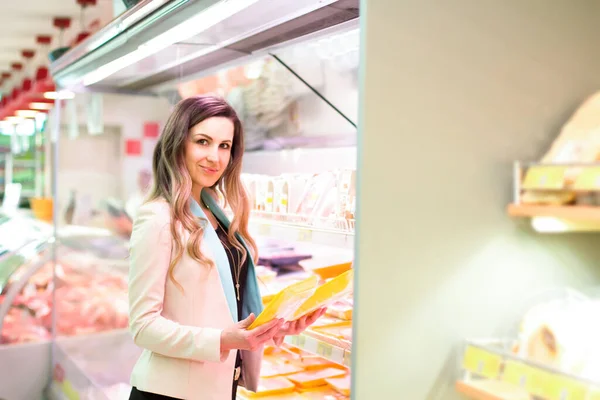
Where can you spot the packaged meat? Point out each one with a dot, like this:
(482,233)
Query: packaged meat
(319,185)
(341,330)
(311,379)
(328,266)
(341,309)
(285,303)
(340,385)
(329,292)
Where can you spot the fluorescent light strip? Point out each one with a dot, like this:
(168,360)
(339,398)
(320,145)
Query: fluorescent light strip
(63,95)
(193,26)
(41,106)
(26,113)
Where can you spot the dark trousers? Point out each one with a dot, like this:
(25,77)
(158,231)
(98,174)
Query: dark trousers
(139,395)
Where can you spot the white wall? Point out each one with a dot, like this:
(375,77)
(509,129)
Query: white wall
(455,91)
(126,114)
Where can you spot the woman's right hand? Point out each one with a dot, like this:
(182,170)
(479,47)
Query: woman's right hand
(238,336)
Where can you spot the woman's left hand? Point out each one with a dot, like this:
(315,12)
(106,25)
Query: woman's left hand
(298,326)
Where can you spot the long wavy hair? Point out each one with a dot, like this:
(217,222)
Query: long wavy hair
(173,183)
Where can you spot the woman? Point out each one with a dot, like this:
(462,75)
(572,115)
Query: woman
(192,287)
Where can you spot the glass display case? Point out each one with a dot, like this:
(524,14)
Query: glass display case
(83,294)
(299,104)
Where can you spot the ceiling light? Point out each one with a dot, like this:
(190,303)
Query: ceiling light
(26,113)
(191,27)
(41,106)
(63,95)
(13,119)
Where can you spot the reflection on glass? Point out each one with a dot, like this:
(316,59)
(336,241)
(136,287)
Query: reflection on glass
(302,96)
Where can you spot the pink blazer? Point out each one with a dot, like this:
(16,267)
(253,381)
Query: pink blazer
(180,332)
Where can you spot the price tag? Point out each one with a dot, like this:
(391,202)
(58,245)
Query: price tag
(348,359)
(564,388)
(545,177)
(588,179)
(324,349)
(516,373)
(305,235)
(298,341)
(482,362)
(540,383)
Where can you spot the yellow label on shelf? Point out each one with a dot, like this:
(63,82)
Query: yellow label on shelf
(482,362)
(324,349)
(69,391)
(588,179)
(298,341)
(540,383)
(545,177)
(347,358)
(564,388)
(304,235)
(515,373)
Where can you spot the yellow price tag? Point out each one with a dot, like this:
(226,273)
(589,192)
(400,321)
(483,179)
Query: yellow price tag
(298,341)
(482,362)
(324,349)
(304,235)
(545,177)
(347,358)
(69,391)
(588,179)
(564,388)
(540,383)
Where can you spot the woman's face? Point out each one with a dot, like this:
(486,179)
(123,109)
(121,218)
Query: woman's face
(208,151)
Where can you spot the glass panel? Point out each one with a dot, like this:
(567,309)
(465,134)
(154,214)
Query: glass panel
(301,96)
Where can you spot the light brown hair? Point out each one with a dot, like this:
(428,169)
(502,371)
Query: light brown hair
(173,183)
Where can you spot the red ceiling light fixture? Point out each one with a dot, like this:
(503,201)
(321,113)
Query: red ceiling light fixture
(84,34)
(62,24)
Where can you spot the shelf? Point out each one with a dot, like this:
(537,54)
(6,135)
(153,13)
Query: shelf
(490,390)
(331,349)
(336,232)
(580,213)
(492,372)
(556,219)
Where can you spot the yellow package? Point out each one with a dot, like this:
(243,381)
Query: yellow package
(311,379)
(321,393)
(327,293)
(327,267)
(286,302)
(269,387)
(340,309)
(341,330)
(340,385)
(274,368)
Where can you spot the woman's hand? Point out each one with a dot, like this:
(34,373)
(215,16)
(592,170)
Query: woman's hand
(298,326)
(239,337)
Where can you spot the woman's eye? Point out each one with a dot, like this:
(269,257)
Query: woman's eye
(225,145)
(203,142)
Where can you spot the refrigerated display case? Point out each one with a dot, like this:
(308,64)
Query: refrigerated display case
(38,297)
(277,66)
(551,353)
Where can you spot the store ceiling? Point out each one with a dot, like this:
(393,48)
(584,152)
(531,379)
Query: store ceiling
(22,21)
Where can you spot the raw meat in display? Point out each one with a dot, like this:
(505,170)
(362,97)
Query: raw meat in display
(88,299)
